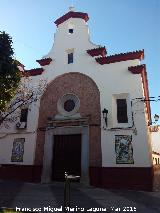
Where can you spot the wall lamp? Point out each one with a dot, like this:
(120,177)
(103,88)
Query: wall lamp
(105,112)
(156,118)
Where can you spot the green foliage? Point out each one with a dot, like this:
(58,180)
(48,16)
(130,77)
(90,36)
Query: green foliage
(9,72)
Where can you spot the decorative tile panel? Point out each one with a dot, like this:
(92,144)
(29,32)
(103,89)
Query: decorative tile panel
(124,149)
(18,150)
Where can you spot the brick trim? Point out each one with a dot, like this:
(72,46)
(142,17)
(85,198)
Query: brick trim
(78,84)
(121,57)
(34,72)
(44,61)
(97,51)
(72,14)
(141,69)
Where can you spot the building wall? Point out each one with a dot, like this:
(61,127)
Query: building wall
(111,79)
(155,139)
(8,135)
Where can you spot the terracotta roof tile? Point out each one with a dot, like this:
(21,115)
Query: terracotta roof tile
(97,51)
(33,72)
(44,61)
(71,14)
(121,57)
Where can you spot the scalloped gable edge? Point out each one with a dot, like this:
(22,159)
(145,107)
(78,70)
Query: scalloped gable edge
(137,69)
(72,14)
(33,72)
(97,51)
(44,61)
(139,54)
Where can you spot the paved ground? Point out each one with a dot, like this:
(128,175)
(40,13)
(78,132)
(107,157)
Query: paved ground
(46,197)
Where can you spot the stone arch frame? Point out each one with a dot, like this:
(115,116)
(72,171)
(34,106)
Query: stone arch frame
(88,93)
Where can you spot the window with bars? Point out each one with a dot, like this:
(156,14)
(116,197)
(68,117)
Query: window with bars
(122,111)
(70,58)
(24,115)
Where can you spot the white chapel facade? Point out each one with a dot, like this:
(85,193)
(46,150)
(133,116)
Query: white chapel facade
(92,119)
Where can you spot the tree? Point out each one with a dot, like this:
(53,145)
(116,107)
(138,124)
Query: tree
(16,89)
(9,73)
(26,95)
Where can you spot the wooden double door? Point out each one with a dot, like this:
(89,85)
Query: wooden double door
(66,156)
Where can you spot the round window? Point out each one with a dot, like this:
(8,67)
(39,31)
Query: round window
(68,104)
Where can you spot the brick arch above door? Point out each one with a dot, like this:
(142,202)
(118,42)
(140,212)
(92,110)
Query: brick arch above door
(87,91)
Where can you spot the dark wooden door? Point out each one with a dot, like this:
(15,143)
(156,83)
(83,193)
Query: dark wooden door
(66,156)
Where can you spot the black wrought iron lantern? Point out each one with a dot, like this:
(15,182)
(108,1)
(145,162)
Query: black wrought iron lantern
(156,118)
(105,112)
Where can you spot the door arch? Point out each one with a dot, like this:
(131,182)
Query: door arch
(87,91)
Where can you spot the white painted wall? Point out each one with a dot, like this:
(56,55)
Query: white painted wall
(6,145)
(155,137)
(111,79)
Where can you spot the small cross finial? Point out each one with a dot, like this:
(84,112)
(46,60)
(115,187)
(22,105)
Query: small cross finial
(71,8)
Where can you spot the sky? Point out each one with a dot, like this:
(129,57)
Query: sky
(119,25)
